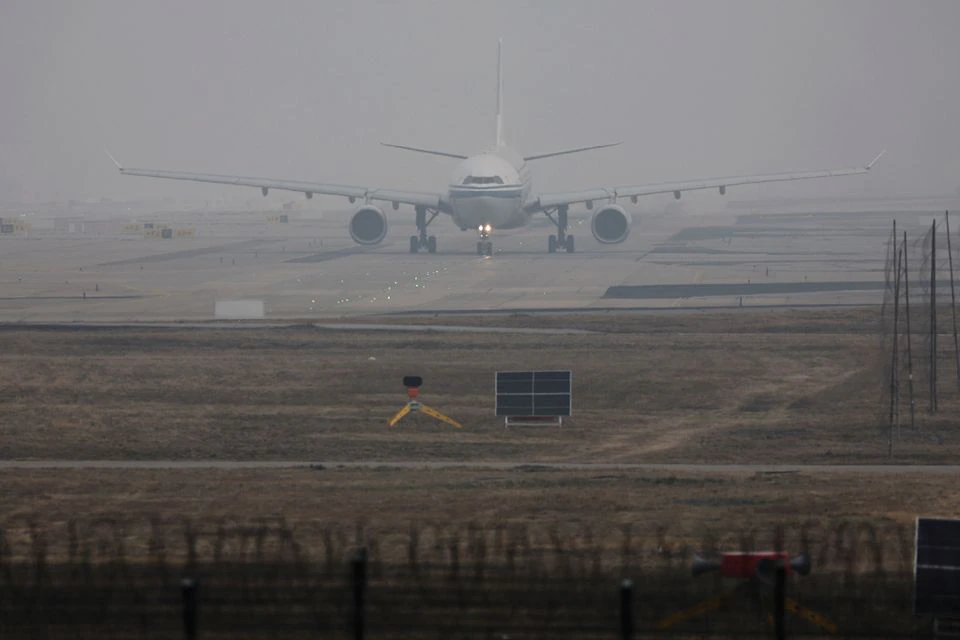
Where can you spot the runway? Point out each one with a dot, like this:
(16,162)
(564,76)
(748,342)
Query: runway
(273,326)
(404,465)
(309,268)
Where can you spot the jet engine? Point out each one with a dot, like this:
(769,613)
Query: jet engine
(368,225)
(610,224)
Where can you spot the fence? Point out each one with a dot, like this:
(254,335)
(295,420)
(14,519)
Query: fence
(110,578)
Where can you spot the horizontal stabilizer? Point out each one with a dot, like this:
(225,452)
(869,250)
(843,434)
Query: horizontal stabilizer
(874,161)
(540,156)
(114,160)
(431,152)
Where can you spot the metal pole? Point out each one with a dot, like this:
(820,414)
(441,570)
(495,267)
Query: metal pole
(780,603)
(953,300)
(893,350)
(359,592)
(933,317)
(906,288)
(895,369)
(626,610)
(188,589)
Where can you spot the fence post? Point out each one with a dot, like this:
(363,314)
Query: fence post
(780,603)
(188,588)
(359,592)
(626,609)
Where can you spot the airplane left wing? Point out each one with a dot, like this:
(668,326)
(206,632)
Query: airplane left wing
(416,198)
(549,200)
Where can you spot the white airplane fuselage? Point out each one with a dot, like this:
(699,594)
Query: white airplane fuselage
(490,189)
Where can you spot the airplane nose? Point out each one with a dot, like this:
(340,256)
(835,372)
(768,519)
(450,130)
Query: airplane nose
(482,208)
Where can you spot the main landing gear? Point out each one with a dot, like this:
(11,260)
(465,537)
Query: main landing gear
(423,241)
(485,245)
(562,240)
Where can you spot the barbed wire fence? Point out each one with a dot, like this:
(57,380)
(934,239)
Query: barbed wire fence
(113,577)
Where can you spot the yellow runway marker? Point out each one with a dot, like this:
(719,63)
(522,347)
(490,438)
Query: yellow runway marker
(413,405)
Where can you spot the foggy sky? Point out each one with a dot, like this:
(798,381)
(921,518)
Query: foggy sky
(307,90)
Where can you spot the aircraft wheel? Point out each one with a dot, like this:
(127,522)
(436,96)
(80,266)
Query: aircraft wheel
(414,244)
(432,244)
(569,244)
(552,244)
(489,250)
(479,248)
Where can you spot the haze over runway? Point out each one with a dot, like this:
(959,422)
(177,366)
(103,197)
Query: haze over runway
(309,269)
(307,91)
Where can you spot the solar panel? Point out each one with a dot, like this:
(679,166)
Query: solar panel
(533,393)
(937,567)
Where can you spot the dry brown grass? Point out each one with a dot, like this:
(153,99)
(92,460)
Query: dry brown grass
(798,388)
(735,387)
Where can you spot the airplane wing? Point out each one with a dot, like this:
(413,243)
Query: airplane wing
(548,200)
(416,198)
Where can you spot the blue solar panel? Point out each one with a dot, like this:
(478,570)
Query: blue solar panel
(937,567)
(533,393)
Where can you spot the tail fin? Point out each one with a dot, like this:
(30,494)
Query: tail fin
(500,142)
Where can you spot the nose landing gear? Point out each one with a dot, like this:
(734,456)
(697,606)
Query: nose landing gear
(562,240)
(485,245)
(423,241)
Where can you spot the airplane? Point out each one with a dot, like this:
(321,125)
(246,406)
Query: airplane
(492,190)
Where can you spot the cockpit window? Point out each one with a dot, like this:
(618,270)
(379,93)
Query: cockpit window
(483,180)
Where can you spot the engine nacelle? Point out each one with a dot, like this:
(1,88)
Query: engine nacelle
(368,225)
(610,224)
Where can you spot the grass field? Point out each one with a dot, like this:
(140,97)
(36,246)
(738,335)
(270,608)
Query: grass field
(736,387)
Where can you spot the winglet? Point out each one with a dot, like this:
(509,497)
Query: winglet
(874,161)
(114,160)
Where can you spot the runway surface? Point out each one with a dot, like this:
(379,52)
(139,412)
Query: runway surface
(233,465)
(309,268)
(266,326)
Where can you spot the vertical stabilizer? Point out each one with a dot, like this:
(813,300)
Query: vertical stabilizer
(500,142)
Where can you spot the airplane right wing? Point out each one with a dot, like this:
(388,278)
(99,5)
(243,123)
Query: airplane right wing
(416,198)
(549,200)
